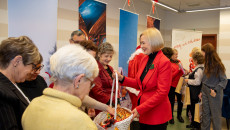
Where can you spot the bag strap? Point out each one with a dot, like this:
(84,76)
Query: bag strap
(116,93)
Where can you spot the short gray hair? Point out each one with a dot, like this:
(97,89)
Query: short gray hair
(70,61)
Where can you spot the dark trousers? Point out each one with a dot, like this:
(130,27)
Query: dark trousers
(193,102)
(188,110)
(135,125)
(154,127)
(171,96)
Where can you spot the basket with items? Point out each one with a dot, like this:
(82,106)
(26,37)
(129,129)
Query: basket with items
(121,119)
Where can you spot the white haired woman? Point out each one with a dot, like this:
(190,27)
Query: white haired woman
(17,56)
(72,70)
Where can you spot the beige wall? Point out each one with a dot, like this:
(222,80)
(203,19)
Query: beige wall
(67,20)
(207,22)
(224,39)
(3,20)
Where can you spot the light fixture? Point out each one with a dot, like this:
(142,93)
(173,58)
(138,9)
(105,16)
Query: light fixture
(165,6)
(221,8)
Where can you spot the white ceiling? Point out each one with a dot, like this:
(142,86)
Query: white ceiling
(185,5)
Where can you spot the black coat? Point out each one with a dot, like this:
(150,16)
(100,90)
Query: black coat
(33,89)
(12,105)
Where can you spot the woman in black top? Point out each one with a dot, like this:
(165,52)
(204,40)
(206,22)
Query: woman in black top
(17,56)
(34,84)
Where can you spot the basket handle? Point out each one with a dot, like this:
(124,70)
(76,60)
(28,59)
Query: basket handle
(116,93)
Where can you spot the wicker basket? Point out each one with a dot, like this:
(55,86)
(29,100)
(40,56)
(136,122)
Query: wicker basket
(121,125)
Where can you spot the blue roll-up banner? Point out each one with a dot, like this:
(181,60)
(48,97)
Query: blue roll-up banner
(127,38)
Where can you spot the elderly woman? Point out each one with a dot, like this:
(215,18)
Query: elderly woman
(103,83)
(17,56)
(34,84)
(153,79)
(72,70)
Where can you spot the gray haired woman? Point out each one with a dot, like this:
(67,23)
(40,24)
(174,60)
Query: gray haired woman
(18,55)
(73,70)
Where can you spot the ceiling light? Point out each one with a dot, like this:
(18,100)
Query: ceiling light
(165,6)
(207,9)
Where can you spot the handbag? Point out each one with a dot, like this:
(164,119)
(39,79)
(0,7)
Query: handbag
(198,112)
(179,85)
(187,97)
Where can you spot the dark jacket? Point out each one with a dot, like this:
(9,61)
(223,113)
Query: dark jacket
(33,89)
(12,105)
(103,85)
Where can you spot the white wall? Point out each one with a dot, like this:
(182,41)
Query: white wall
(207,22)
(224,39)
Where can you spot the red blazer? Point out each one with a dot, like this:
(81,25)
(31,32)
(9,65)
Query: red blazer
(176,74)
(103,85)
(154,105)
(132,71)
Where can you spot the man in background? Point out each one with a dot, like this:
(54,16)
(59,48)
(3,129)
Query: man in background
(77,36)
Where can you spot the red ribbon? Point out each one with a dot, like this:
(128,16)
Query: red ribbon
(128,2)
(153,7)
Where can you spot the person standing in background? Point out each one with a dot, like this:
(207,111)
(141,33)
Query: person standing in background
(177,72)
(133,66)
(194,84)
(191,67)
(213,83)
(76,37)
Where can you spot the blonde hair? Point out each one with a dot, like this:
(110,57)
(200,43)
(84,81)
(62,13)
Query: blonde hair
(155,39)
(15,46)
(195,49)
(174,50)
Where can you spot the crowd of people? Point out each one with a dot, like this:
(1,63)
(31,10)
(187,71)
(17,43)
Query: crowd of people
(82,84)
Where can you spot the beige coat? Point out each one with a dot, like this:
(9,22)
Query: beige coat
(56,110)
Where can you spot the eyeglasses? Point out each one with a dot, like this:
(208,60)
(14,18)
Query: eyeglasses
(91,83)
(75,41)
(37,67)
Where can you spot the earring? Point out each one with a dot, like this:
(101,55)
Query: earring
(76,87)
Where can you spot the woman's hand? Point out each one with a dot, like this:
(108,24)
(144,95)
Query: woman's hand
(110,110)
(135,114)
(200,96)
(120,77)
(213,93)
(186,80)
(186,72)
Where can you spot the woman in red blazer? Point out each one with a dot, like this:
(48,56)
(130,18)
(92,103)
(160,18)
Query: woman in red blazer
(153,79)
(177,72)
(103,82)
